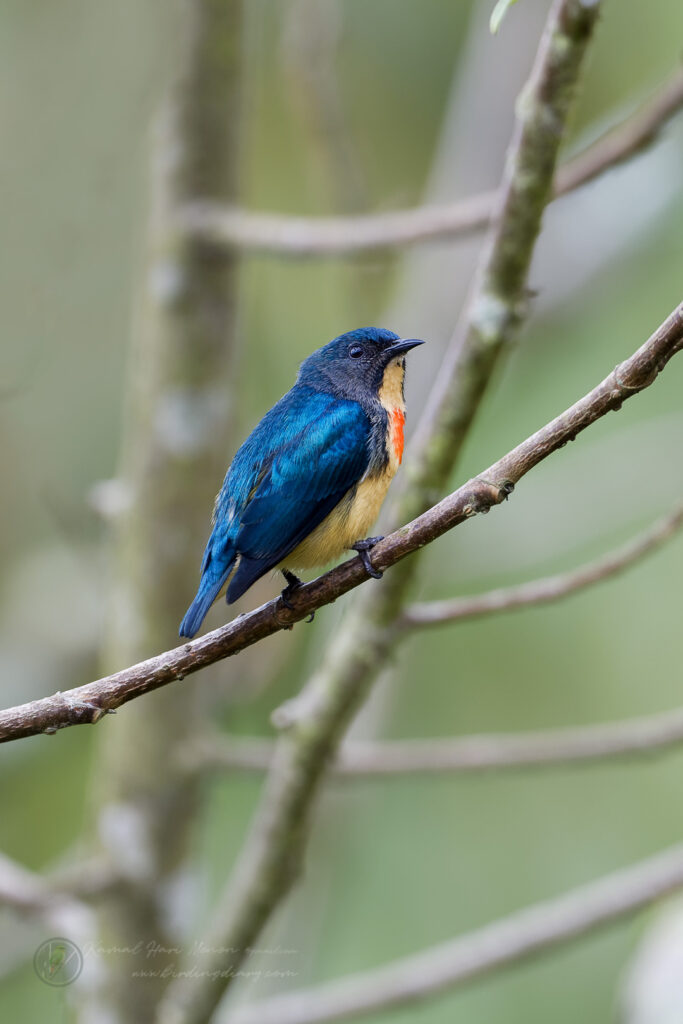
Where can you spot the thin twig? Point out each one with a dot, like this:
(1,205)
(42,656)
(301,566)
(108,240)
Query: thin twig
(28,891)
(23,889)
(58,909)
(625,140)
(87,704)
(543,591)
(534,930)
(647,735)
(237,228)
(55,906)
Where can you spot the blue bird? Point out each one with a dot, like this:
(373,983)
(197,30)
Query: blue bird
(309,481)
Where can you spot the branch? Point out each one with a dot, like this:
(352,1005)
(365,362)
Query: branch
(27,891)
(534,930)
(55,904)
(543,591)
(235,228)
(625,140)
(486,752)
(87,704)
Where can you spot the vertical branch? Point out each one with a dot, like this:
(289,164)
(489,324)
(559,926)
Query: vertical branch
(175,441)
(316,721)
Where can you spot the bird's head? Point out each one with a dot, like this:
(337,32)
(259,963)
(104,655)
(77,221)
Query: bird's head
(358,364)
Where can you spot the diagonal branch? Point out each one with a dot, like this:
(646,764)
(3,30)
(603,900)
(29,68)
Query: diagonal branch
(534,930)
(87,704)
(543,591)
(278,234)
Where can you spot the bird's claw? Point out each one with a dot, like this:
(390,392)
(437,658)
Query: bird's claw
(362,547)
(293,584)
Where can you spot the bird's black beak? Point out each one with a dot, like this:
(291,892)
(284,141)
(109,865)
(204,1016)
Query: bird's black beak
(398,348)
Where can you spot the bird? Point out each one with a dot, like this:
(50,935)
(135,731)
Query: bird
(309,481)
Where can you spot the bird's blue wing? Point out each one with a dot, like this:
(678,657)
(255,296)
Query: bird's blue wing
(291,471)
(303,482)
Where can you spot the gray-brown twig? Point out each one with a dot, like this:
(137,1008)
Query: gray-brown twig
(87,704)
(534,930)
(279,234)
(647,735)
(27,891)
(543,591)
(54,903)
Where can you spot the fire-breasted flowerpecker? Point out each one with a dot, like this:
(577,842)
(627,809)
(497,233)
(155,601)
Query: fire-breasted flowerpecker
(308,482)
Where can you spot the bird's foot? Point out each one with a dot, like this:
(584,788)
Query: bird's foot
(293,584)
(362,547)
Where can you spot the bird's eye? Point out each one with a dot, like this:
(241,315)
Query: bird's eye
(355,351)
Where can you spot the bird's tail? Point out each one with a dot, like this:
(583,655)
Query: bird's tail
(209,589)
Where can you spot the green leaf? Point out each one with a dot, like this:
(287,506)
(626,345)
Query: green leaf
(499,12)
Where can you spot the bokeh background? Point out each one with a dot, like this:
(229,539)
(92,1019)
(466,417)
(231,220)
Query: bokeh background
(426,101)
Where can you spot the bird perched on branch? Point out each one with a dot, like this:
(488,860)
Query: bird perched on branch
(308,482)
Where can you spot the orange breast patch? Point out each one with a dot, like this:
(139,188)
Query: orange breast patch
(397,423)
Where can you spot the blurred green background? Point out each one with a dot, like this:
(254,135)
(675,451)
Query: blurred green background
(427,97)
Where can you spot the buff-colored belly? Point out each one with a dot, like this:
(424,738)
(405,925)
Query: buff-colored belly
(350,521)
